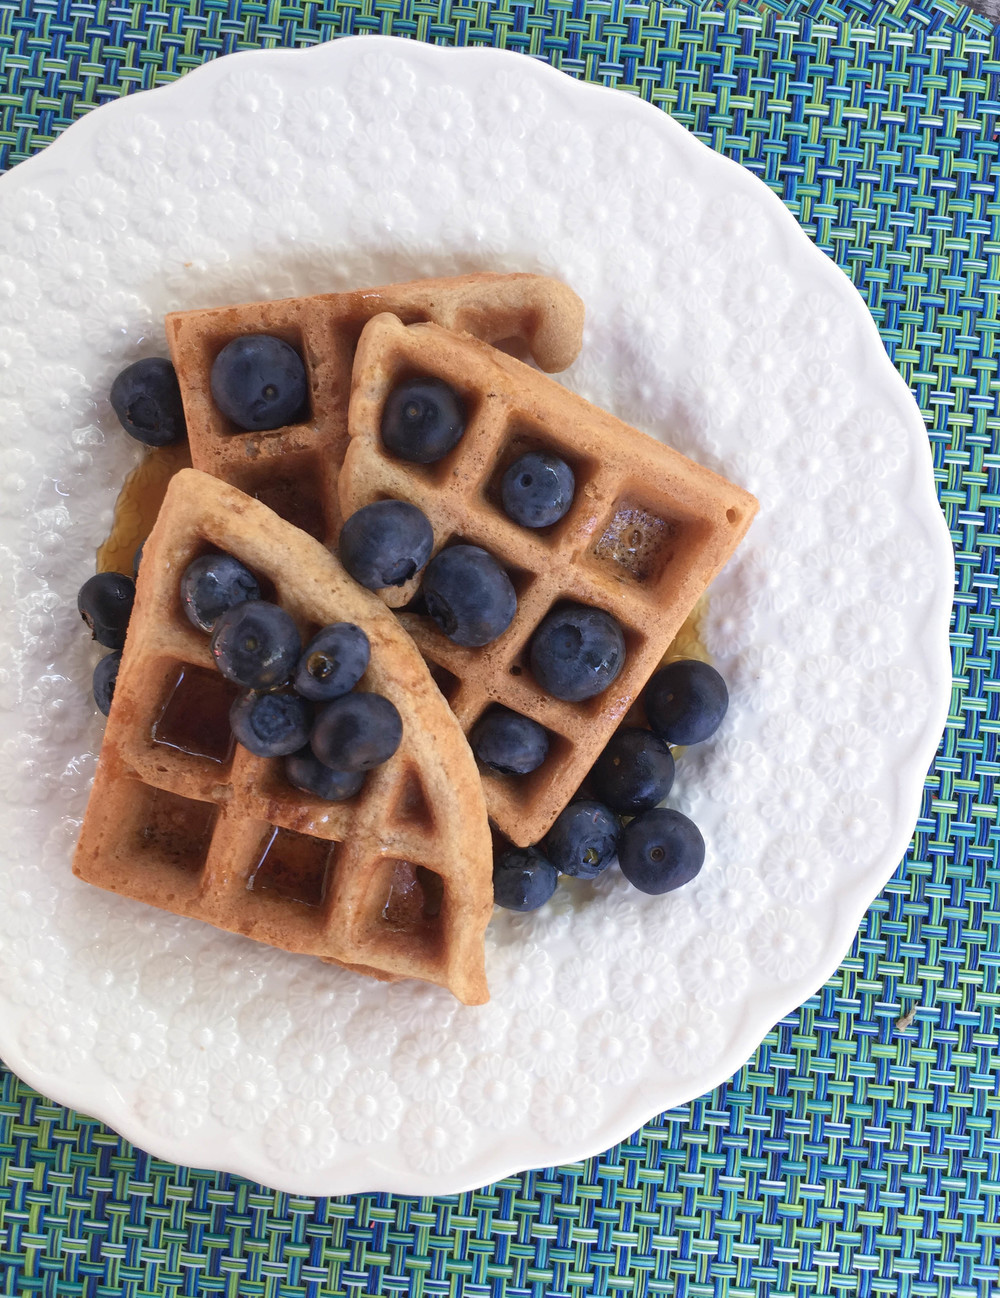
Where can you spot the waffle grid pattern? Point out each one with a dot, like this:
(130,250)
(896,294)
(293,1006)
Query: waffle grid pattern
(851,1155)
(644,536)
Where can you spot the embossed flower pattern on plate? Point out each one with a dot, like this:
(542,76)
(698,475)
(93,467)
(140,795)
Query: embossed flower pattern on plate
(712,325)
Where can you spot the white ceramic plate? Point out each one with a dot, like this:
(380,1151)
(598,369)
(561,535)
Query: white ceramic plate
(712,323)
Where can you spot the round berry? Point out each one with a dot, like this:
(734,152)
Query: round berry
(146,397)
(577,652)
(105,604)
(508,742)
(422,420)
(259,382)
(357,732)
(385,544)
(271,725)
(523,879)
(686,701)
(332,662)
(537,489)
(256,645)
(584,839)
(304,770)
(469,595)
(212,584)
(105,679)
(634,773)
(660,850)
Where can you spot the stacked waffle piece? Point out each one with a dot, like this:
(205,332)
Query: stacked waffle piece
(397,881)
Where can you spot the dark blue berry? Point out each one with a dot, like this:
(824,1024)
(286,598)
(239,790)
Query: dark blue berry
(523,879)
(259,382)
(146,397)
(422,420)
(105,604)
(468,595)
(356,732)
(385,544)
(256,645)
(105,679)
(136,560)
(634,773)
(584,840)
(686,701)
(305,771)
(508,742)
(537,489)
(577,652)
(212,584)
(332,662)
(271,725)
(660,850)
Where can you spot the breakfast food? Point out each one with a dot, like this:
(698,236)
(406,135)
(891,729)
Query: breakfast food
(394,880)
(599,594)
(265,386)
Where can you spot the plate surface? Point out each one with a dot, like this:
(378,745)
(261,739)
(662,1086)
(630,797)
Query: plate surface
(715,325)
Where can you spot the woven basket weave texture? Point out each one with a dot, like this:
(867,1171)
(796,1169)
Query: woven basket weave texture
(850,1155)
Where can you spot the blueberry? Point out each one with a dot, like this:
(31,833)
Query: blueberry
(146,397)
(136,560)
(271,725)
(577,652)
(634,772)
(537,489)
(686,701)
(584,839)
(259,382)
(332,662)
(105,679)
(385,544)
(469,595)
(523,879)
(422,420)
(105,604)
(357,732)
(508,742)
(256,645)
(304,770)
(212,584)
(660,850)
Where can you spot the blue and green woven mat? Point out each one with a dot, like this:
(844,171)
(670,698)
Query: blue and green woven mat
(850,1155)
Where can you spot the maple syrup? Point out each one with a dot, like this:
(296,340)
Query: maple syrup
(293,866)
(637,541)
(414,897)
(138,504)
(175,828)
(195,717)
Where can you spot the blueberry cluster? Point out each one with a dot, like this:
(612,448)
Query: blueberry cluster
(576,652)
(658,849)
(105,603)
(297,703)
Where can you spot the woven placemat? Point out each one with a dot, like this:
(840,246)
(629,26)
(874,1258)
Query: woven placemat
(854,1153)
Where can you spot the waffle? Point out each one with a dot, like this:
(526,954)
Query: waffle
(294,469)
(647,532)
(395,882)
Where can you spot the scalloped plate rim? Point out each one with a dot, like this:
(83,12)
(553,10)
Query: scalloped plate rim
(784,998)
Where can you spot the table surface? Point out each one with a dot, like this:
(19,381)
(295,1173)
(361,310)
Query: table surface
(855,1152)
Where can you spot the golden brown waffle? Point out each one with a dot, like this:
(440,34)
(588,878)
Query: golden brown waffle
(294,470)
(647,532)
(395,882)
